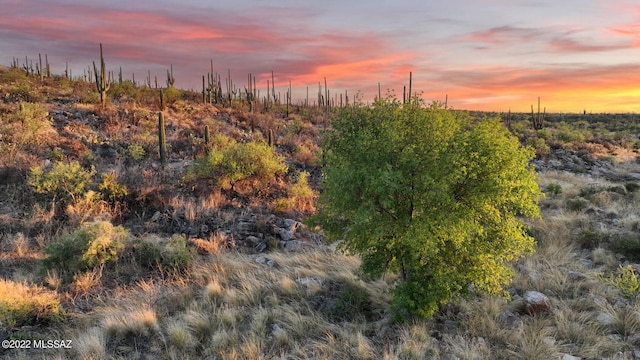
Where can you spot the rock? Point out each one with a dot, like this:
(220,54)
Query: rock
(156,216)
(291,224)
(570,357)
(293,245)
(449,356)
(244,227)
(261,246)
(586,263)
(605,319)
(265,261)
(251,241)
(536,302)
(615,337)
(285,234)
(534,277)
(517,303)
(575,275)
(310,280)
(510,320)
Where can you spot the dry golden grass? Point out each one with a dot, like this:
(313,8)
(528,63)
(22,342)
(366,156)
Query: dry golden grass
(26,304)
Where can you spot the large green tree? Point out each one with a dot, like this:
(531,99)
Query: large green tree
(429,194)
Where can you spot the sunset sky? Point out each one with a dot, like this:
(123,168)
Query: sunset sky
(484,54)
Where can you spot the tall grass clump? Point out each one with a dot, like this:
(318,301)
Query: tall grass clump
(23,304)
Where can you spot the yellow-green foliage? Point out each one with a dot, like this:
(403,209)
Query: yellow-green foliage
(62,181)
(434,197)
(92,245)
(136,152)
(300,197)
(111,188)
(23,129)
(22,304)
(230,162)
(626,280)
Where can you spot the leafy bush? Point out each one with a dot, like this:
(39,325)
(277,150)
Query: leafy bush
(626,280)
(430,194)
(231,162)
(539,145)
(554,189)
(24,129)
(300,196)
(92,245)
(110,187)
(63,180)
(577,204)
(567,133)
(627,244)
(22,304)
(589,238)
(135,152)
(170,255)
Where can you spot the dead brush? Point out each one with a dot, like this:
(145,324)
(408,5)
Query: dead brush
(217,241)
(86,282)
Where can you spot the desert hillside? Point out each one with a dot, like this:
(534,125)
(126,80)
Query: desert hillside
(157,225)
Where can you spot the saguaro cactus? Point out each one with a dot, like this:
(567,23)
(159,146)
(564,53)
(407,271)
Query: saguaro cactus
(537,120)
(162,139)
(170,79)
(102,82)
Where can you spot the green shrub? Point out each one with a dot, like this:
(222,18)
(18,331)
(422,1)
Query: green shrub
(627,244)
(230,162)
(577,204)
(567,133)
(607,158)
(110,187)
(579,169)
(171,255)
(135,152)
(626,280)
(22,304)
(126,90)
(92,245)
(539,145)
(62,181)
(632,186)
(543,134)
(55,155)
(589,238)
(24,129)
(429,194)
(347,302)
(554,189)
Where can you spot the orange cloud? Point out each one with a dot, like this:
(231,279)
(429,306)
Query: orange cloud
(569,89)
